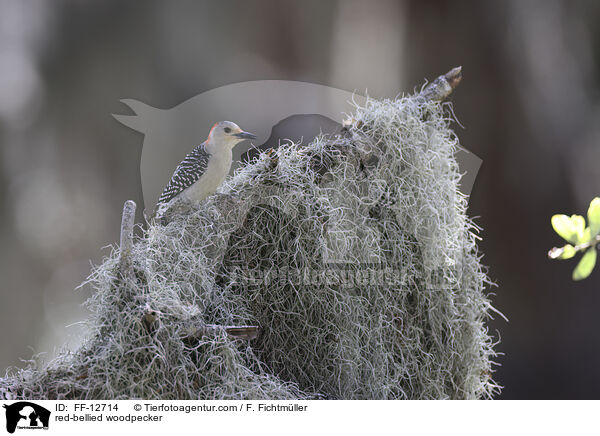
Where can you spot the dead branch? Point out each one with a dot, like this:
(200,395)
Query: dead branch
(247,332)
(441,88)
(126,242)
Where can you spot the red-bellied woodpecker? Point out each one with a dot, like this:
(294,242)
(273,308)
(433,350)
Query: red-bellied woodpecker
(205,167)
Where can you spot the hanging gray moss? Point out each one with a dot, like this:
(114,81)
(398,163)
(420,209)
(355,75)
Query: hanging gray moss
(353,255)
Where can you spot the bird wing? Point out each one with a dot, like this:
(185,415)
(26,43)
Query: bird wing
(186,174)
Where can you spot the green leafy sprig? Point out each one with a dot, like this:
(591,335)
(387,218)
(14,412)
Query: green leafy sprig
(580,238)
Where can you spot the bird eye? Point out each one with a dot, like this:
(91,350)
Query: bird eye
(227,130)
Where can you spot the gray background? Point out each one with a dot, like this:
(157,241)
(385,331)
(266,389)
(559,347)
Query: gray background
(529,104)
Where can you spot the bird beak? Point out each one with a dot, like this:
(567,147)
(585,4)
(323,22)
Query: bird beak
(245,135)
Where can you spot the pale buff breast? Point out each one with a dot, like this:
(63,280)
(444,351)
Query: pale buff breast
(213,177)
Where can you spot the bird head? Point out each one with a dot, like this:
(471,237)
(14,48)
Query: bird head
(228,134)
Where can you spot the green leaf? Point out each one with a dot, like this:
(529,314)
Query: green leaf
(570,228)
(568,252)
(586,237)
(594,217)
(586,265)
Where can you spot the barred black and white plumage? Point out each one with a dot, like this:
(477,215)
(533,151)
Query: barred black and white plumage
(203,170)
(186,174)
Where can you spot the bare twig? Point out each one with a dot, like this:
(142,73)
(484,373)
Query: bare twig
(438,90)
(126,242)
(556,252)
(441,88)
(247,332)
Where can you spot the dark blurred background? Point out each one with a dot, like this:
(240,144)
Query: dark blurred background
(529,102)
